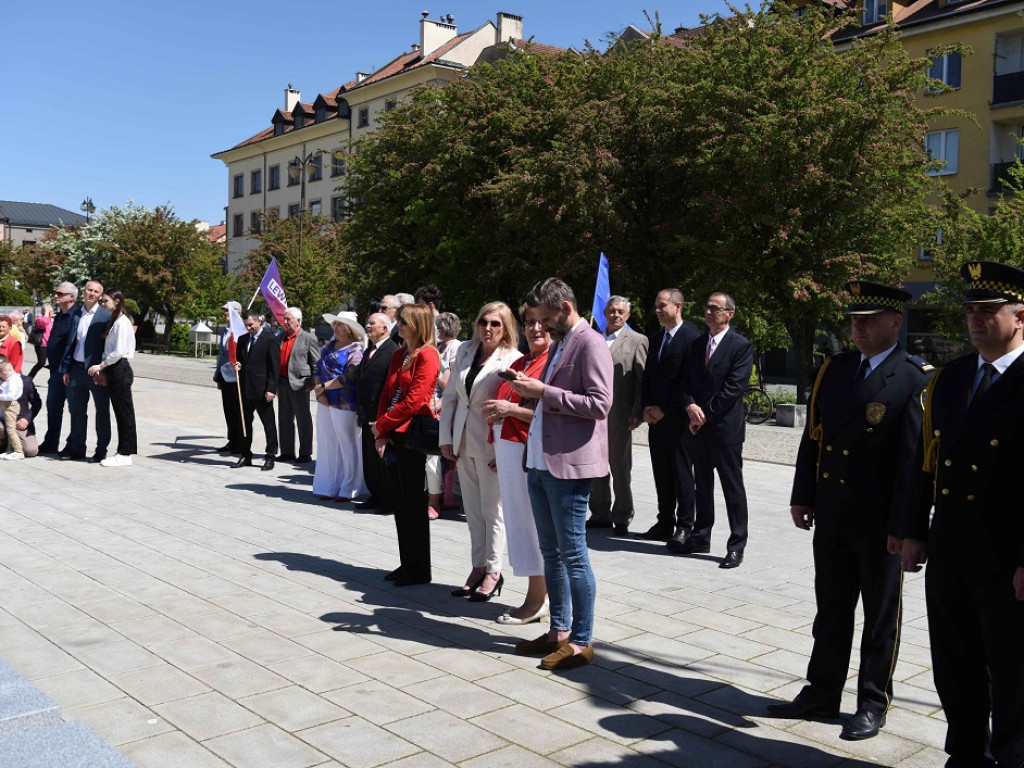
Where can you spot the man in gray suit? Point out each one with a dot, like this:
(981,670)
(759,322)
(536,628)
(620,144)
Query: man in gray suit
(629,355)
(300,353)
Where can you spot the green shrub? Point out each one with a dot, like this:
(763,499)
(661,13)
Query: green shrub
(179,337)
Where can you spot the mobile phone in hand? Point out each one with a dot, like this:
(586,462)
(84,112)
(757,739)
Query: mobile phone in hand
(507,375)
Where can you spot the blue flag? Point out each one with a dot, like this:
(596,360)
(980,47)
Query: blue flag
(601,293)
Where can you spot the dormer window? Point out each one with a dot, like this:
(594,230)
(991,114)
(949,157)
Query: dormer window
(300,120)
(321,114)
(278,129)
(874,11)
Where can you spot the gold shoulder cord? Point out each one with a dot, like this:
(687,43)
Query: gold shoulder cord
(929,437)
(814,428)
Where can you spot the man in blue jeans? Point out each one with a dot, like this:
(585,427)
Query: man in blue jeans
(566,450)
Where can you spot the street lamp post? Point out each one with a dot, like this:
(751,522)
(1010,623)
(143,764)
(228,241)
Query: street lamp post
(88,209)
(300,168)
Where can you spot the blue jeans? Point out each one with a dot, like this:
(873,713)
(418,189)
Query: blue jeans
(78,392)
(560,512)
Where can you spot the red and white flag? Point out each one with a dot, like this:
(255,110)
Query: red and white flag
(238,330)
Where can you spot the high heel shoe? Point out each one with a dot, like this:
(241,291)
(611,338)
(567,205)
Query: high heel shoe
(468,590)
(480,597)
(542,613)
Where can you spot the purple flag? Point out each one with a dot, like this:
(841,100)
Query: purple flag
(273,291)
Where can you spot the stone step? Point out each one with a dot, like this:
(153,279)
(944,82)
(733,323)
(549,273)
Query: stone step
(22,705)
(67,745)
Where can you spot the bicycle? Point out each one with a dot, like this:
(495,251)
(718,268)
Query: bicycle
(757,403)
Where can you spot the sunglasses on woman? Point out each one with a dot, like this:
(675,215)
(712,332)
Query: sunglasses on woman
(488,323)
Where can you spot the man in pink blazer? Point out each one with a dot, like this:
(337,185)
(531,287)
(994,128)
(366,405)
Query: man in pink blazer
(567,449)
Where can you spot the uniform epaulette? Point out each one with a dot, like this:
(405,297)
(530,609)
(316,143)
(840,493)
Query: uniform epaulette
(920,362)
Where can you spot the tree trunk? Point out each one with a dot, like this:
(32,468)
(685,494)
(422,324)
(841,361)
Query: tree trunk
(802,336)
(168,326)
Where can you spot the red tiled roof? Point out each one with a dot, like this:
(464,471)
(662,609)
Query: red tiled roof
(535,47)
(217,232)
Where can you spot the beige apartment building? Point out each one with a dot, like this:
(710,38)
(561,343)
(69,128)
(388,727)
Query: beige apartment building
(299,161)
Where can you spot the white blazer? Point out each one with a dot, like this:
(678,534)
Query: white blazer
(456,424)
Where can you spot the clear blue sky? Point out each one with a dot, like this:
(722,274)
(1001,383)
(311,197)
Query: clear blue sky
(121,100)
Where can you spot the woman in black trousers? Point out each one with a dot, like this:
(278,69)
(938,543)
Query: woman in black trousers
(115,370)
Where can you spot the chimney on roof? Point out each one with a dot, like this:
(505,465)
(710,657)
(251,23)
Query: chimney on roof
(680,30)
(510,27)
(292,96)
(434,34)
(360,76)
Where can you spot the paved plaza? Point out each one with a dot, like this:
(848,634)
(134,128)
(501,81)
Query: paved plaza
(194,615)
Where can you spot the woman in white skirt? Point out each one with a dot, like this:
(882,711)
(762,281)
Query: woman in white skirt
(339,458)
(510,423)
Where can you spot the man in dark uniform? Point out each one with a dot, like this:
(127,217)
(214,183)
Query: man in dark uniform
(259,369)
(853,477)
(970,444)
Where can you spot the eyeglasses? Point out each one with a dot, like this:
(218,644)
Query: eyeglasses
(61,294)
(488,323)
(712,308)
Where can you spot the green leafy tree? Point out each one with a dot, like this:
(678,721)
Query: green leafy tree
(12,290)
(315,268)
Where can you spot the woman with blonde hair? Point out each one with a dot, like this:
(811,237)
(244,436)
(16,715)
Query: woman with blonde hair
(408,390)
(474,381)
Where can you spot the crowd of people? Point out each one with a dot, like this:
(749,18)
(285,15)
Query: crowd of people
(898,464)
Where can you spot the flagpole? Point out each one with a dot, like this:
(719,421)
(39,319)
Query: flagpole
(255,294)
(241,410)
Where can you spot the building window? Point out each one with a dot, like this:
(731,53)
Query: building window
(338,163)
(299,120)
(321,114)
(255,220)
(390,105)
(338,208)
(238,184)
(275,177)
(293,210)
(926,252)
(874,10)
(315,207)
(278,129)
(255,182)
(318,167)
(238,228)
(364,117)
(947,69)
(944,147)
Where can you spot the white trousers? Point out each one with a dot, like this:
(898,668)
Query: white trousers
(481,501)
(339,455)
(520,529)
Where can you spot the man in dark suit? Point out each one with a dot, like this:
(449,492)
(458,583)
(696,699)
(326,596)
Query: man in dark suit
(629,355)
(373,370)
(667,422)
(853,474)
(84,351)
(715,375)
(259,368)
(61,335)
(300,352)
(973,421)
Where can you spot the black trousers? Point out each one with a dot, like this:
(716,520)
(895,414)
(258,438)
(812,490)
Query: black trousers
(119,385)
(409,500)
(673,474)
(976,628)
(708,456)
(232,406)
(846,570)
(373,468)
(265,411)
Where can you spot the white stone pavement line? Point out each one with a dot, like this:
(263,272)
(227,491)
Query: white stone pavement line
(162,582)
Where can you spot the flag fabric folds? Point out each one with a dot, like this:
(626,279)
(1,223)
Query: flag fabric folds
(602,290)
(238,330)
(273,291)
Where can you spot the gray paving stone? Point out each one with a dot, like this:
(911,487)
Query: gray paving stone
(293,708)
(447,736)
(68,745)
(158,685)
(172,750)
(533,730)
(358,743)
(377,702)
(207,715)
(265,745)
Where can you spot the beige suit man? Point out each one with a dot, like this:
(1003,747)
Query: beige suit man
(629,356)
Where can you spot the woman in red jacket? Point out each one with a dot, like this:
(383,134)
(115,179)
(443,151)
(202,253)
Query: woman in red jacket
(407,392)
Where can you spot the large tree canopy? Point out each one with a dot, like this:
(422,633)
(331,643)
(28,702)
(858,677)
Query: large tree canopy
(752,157)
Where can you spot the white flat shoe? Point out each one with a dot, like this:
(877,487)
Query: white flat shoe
(543,613)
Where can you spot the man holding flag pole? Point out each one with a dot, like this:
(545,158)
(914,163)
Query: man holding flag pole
(225,376)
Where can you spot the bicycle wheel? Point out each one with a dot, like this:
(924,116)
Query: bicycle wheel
(758,405)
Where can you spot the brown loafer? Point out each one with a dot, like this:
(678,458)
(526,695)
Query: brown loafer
(540,645)
(565,658)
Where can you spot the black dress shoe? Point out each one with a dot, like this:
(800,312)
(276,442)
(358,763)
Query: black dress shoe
(384,511)
(592,523)
(71,456)
(370,503)
(393,575)
(286,457)
(620,529)
(409,580)
(304,459)
(731,560)
(267,465)
(678,540)
(245,461)
(226,448)
(804,707)
(48,448)
(688,547)
(97,457)
(656,532)
(863,725)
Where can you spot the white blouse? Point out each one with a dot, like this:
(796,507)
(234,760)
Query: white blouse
(120,342)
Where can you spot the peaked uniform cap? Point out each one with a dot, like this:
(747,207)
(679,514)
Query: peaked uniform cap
(989,282)
(867,298)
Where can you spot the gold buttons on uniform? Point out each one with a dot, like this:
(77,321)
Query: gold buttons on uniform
(949,463)
(945,491)
(871,429)
(974,467)
(828,447)
(971,497)
(938,432)
(846,453)
(842,482)
(825,475)
(994,443)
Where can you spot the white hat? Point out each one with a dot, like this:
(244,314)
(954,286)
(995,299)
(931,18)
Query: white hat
(233,305)
(350,319)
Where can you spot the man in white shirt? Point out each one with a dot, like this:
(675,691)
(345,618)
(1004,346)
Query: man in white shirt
(86,350)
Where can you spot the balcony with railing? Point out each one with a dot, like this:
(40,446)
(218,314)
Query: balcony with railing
(1008,88)
(999,177)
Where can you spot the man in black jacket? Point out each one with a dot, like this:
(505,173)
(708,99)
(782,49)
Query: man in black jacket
(973,421)
(715,375)
(854,471)
(373,370)
(259,368)
(65,322)
(663,412)
(84,350)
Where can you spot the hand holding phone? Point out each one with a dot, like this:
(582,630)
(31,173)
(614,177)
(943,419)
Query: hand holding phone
(507,375)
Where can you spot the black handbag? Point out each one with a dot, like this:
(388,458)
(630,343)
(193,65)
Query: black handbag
(423,435)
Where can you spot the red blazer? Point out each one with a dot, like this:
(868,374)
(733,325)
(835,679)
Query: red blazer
(418,383)
(512,429)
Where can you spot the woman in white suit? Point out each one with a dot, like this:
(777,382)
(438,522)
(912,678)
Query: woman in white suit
(473,381)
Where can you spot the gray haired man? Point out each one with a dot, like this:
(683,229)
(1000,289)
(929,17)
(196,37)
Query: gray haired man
(300,354)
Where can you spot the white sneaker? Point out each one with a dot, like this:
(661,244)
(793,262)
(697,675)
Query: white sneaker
(13,456)
(117,460)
